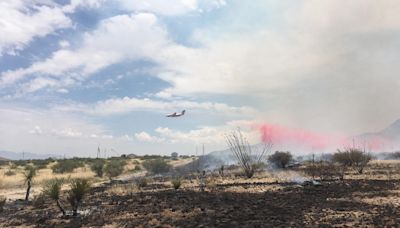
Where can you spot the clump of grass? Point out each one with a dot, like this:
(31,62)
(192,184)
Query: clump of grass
(79,188)
(10,173)
(52,189)
(176,182)
(29,174)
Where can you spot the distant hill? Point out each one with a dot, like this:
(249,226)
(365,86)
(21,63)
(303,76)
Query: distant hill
(387,139)
(3,159)
(7,155)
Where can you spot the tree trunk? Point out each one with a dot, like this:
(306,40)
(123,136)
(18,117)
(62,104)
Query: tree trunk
(27,191)
(60,207)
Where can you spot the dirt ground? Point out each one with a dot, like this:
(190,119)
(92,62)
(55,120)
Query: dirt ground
(228,202)
(348,203)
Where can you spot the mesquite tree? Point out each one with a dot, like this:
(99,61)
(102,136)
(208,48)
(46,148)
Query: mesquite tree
(248,157)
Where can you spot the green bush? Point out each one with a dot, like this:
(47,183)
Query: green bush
(280,159)
(21,162)
(41,164)
(176,182)
(355,158)
(52,189)
(79,188)
(157,166)
(97,167)
(114,168)
(66,165)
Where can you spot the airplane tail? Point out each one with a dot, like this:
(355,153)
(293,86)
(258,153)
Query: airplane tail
(183,112)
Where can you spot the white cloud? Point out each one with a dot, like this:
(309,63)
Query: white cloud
(171,7)
(22,21)
(212,136)
(126,104)
(74,4)
(138,37)
(145,137)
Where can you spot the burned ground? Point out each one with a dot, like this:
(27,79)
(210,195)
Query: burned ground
(351,203)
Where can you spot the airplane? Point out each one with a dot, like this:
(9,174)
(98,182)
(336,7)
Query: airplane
(176,114)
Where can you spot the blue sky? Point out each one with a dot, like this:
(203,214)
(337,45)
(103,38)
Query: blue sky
(78,74)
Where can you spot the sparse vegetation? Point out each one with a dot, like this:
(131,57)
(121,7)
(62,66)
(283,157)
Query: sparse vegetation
(141,182)
(41,164)
(79,188)
(97,167)
(114,168)
(52,189)
(157,166)
(29,174)
(245,155)
(9,173)
(352,157)
(176,182)
(280,159)
(67,165)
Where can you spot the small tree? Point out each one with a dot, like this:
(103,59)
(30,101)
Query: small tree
(114,168)
(352,157)
(53,190)
(29,174)
(247,158)
(280,159)
(157,166)
(79,188)
(98,167)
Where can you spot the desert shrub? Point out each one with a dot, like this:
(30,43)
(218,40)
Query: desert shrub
(352,157)
(66,165)
(79,188)
(9,173)
(280,159)
(141,182)
(52,189)
(39,201)
(176,182)
(41,164)
(135,162)
(2,203)
(245,155)
(157,166)
(97,167)
(114,168)
(4,162)
(324,170)
(20,163)
(29,174)
(150,157)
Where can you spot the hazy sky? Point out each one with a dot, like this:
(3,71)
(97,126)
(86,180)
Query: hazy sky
(82,73)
